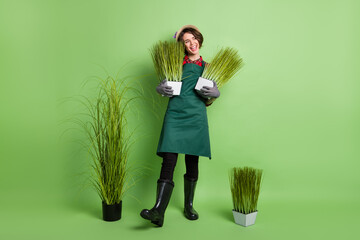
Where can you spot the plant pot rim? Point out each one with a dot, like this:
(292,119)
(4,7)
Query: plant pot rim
(103,202)
(244,213)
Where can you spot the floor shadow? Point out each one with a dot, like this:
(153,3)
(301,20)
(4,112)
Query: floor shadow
(86,206)
(144,226)
(225,214)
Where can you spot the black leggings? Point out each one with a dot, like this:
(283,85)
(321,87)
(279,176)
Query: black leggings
(169,163)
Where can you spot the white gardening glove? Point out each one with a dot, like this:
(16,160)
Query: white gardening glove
(164,89)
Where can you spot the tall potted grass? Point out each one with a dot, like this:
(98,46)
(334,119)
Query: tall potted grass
(225,64)
(109,145)
(245,189)
(168,59)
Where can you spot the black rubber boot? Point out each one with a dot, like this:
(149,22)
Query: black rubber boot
(156,214)
(189,190)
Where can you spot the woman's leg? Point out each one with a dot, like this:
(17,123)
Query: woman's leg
(192,167)
(165,186)
(190,180)
(168,166)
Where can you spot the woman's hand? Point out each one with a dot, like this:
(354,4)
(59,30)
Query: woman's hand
(210,92)
(164,89)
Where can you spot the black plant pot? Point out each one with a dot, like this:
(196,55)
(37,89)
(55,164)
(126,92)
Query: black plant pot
(111,212)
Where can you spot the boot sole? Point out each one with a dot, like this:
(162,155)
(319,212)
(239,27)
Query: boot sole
(156,222)
(196,217)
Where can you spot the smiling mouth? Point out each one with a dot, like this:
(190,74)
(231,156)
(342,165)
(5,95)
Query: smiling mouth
(193,48)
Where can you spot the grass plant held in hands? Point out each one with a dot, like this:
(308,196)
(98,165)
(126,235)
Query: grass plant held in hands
(226,63)
(168,59)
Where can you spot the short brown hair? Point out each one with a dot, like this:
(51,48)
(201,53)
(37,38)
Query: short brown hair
(198,36)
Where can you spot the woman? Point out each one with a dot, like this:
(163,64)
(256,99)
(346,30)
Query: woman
(185,128)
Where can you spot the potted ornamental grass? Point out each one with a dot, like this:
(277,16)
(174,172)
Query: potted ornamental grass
(109,145)
(245,189)
(225,64)
(168,59)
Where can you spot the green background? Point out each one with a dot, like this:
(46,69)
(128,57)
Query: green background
(293,110)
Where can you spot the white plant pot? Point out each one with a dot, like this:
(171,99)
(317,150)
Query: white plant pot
(202,82)
(244,219)
(176,87)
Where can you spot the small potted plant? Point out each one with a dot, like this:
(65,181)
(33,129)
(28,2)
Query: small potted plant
(245,189)
(168,60)
(109,145)
(222,68)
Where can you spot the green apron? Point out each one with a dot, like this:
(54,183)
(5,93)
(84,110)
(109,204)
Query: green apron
(185,127)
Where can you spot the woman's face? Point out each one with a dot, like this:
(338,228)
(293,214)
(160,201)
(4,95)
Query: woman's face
(191,44)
